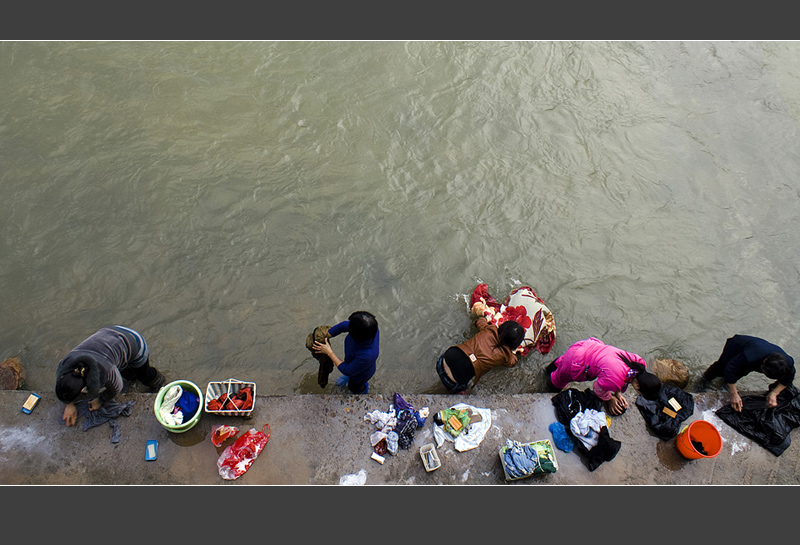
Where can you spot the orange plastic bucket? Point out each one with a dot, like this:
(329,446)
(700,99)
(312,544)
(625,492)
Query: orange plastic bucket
(706,437)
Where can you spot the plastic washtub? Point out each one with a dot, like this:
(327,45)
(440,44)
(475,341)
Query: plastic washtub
(185,385)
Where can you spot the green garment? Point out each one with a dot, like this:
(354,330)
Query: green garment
(461,415)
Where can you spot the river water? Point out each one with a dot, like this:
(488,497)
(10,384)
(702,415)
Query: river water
(224,198)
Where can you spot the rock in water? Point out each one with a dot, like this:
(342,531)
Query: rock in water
(11,374)
(670,372)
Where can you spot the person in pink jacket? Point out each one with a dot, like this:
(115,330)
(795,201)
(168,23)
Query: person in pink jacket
(610,368)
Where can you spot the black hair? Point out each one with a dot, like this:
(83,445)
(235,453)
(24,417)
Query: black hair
(70,384)
(363,326)
(775,366)
(649,384)
(74,372)
(510,334)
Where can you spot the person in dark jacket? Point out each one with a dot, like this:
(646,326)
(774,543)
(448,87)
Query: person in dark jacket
(741,356)
(100,362)
(361,349)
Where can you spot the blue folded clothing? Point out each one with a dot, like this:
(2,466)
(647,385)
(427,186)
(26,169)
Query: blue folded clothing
(188,403)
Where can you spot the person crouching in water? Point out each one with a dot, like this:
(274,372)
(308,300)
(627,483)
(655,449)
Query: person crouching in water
(610,368)
(100,362)
(461,366)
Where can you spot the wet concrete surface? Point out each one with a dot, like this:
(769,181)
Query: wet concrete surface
(319,439)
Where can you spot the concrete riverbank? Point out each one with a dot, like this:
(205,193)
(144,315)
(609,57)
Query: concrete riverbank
(318,439)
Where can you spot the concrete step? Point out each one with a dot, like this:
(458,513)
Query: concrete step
(318,439)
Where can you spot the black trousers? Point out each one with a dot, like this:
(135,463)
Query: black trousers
(729,351)
(144,373)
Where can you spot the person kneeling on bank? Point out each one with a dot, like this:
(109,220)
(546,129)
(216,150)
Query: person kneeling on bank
(100,363)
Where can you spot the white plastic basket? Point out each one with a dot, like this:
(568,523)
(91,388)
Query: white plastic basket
(230,387)
(430,458)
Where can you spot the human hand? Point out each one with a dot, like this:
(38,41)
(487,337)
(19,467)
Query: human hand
(616,405)
(94,404)
(772,399)
(479,308)
(322,348)
(736,402)
(70,416)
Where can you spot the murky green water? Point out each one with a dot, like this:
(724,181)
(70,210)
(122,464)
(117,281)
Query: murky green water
(224,198)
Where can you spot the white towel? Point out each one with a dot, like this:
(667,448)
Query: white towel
(168,405)
(586,426)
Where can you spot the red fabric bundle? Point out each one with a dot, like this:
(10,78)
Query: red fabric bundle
(240,401)
(220,433)
(524,307)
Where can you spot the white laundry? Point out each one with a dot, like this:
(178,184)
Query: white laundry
(384,421)
(392,442)
(470,437)
(586,426)
(168,405)
(376,437)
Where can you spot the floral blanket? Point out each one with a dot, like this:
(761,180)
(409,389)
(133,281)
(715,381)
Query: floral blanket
(524,307)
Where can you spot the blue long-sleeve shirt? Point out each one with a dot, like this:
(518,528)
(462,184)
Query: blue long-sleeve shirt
(751,352)
(360,358)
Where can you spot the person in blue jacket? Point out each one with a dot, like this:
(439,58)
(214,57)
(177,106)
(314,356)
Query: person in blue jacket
(741,356)
(361,349)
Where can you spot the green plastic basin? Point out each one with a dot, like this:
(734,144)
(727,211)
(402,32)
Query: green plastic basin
(185,385)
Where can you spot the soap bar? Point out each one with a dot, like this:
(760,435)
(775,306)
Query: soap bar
(455,423)
(378,458)
(674,402)
(669,412)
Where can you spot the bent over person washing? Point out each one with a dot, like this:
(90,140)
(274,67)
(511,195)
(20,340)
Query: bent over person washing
(611,369)
(101,362)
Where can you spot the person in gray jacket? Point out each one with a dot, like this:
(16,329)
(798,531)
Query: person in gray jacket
(100,363)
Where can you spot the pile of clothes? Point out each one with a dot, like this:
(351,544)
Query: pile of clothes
(474,423)
(178,406)
(396,427)
(581,413)
(526,459)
